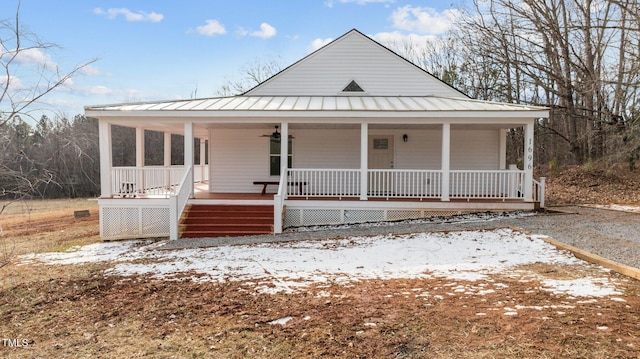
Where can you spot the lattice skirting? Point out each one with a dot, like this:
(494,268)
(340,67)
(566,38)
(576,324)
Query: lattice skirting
(296,217)
(133,222)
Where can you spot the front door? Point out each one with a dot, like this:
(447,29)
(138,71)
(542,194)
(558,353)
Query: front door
(381,152)
(380,157)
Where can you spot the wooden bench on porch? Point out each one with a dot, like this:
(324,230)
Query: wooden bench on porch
(275,183)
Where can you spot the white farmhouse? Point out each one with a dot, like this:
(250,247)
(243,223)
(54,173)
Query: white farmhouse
(350,133)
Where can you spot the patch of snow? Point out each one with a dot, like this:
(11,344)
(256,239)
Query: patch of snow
(468,256)
(582,287)
(617,207)
(97,252)
(281,321)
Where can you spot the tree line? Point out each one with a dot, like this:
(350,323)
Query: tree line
(580,58)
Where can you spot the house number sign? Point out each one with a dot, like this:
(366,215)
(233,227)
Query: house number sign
(530,154)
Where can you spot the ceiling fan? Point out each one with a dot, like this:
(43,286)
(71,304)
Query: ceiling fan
(275,134)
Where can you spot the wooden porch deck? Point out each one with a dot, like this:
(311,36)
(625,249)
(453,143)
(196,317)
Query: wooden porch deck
(203,195)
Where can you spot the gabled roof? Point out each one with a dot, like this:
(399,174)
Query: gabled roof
(354,57)
(295,93)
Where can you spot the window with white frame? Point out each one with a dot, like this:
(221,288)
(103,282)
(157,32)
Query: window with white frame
(274,155)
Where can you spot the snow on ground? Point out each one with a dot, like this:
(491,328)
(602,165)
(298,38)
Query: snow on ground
(617,207)
(468,256)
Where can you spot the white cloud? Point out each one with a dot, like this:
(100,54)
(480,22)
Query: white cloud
(424,19)
(329,3)
(15,83)
(99,90)
(129,15)
(266,31)
(318,43)
(90,70)
(34,57)
(211,28)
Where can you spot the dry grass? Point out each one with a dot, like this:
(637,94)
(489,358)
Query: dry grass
(36,226)
(76,311)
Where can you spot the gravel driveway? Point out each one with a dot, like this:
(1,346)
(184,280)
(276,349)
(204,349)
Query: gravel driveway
(610,234)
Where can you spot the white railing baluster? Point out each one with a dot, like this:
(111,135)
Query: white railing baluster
(498,184)
(156,181)
(395,183)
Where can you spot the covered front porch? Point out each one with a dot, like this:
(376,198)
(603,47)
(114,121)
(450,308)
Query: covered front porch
(145,201)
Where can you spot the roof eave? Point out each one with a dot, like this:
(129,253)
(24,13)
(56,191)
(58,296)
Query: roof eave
(301,115)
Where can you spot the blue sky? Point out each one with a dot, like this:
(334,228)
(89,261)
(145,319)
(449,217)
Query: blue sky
(157,50)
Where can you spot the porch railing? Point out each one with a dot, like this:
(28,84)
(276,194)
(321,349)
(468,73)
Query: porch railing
(498,184)
(323,182)
(405,183)
(397,183)
(155,181)
(278,204)
(539,191)
(177,202)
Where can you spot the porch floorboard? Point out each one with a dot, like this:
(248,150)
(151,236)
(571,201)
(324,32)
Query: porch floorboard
(269,196)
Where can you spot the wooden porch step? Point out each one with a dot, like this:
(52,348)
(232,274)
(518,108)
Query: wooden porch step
(213,234)
(204,220)
(227,227)
(201,220)
(231,207)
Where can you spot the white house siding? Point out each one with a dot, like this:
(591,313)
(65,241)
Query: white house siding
(237,158)
(326,148)
(352,57)
(475,149)
(340,148)
(421,151)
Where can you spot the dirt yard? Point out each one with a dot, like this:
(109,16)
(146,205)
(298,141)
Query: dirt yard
(77,311)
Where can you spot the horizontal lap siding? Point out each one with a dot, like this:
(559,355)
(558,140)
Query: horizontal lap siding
(326,148)
(237,158)
(475,149)
(375,69)
(240,156)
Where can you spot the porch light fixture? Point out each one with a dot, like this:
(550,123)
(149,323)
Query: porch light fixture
(405,138)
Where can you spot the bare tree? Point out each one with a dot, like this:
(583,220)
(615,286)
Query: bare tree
(251,74)
(19,94)
(579,57)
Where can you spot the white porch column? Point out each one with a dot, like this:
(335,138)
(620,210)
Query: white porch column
(106,161)
(503,149)
(364,161)
(446,157)
(139,147)
(284,147)
(528,162)
(188,154)
(203,144)
(167,149)
(278,199)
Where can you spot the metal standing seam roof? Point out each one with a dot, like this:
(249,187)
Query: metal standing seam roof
(321,103)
